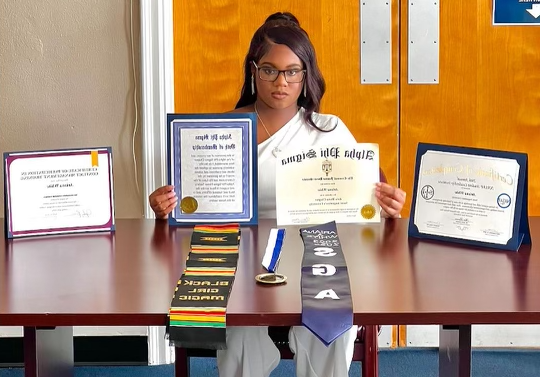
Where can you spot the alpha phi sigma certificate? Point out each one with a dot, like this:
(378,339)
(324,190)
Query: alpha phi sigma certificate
(329,183)
(61,191)
(465,196)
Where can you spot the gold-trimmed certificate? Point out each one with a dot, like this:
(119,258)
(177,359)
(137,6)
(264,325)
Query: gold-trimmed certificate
(327,183)
(58,191)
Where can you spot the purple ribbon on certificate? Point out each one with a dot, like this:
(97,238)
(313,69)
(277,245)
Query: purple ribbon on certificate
(327,309)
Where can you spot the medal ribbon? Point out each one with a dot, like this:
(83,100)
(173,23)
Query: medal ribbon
(197,316)
(273,249)
(327,309)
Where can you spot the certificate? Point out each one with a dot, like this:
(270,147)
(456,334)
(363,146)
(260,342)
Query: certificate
(58,191)
(212,163)
(470,195)
(328,183)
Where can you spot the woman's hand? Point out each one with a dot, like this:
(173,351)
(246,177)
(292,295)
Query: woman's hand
(390,198)
(162,201)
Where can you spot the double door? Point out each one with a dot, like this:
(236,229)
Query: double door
(476,85)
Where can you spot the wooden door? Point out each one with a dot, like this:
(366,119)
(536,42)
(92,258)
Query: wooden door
(488,94)
(211,39)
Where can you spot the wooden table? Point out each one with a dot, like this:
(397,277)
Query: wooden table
(49,284)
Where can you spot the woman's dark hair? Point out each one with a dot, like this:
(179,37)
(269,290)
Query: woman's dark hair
(284,28)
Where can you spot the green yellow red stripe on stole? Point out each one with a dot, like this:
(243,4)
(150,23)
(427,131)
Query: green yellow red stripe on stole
(214,251)
(199,317)
(209,272)
(218,228)
(197,324)
(194,318)
(214,247)
(197,314)
(203,309)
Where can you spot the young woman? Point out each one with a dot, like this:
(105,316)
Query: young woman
(284,87)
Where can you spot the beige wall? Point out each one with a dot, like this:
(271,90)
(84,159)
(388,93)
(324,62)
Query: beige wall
(66,81)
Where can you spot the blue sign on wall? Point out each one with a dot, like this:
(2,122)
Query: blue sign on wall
(516,12)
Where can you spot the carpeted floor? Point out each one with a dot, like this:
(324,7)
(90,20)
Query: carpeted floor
(393,363)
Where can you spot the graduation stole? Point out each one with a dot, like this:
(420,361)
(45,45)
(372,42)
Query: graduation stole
(327,309)
(198,308)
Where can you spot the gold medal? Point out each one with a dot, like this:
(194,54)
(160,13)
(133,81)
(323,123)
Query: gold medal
(189,204)
(270,278)
(367,211)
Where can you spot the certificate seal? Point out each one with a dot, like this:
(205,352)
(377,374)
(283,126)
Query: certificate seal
(367,211)
(188,204)
(504,200)
(427,192)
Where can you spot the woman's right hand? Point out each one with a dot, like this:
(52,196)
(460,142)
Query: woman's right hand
(162,201)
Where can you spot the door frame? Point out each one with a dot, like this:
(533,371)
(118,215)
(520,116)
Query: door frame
(157,97)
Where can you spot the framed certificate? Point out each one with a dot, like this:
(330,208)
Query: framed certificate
(212,164)
(58,191)
(327,183)
(472,196)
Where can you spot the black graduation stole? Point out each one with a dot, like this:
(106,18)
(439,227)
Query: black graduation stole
(198,308)
(327,309)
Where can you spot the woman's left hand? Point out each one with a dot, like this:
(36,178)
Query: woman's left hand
(390,198)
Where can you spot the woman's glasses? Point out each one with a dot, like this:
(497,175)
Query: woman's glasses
(271,74)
